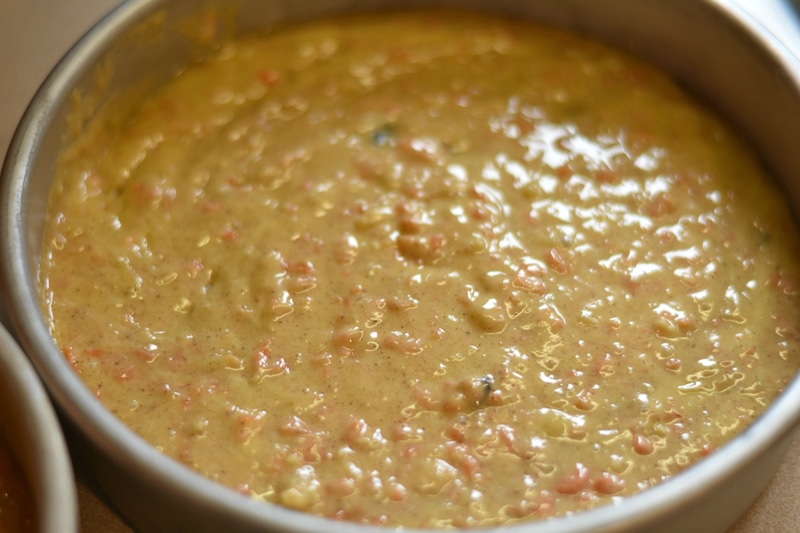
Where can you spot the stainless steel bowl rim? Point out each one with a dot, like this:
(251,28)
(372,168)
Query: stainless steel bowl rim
(49,472)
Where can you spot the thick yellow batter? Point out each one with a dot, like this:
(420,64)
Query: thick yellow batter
(427,269)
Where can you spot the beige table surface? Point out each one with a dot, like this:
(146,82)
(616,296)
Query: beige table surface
(35,33)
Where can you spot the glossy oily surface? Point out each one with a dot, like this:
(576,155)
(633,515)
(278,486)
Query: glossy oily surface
(388,269)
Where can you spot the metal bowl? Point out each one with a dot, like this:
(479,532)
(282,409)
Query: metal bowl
(30,429)
(709,46)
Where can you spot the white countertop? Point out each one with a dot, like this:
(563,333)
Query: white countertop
(34,34)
